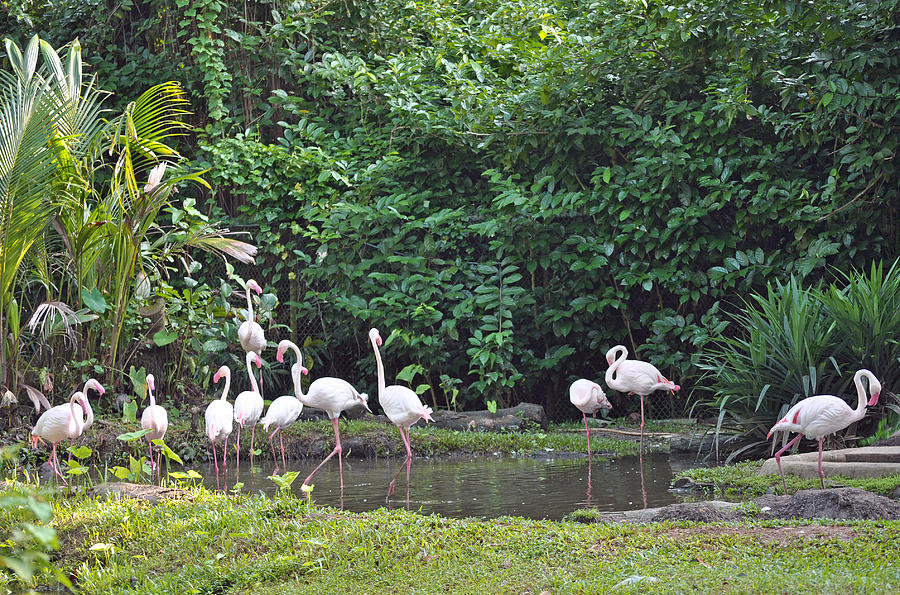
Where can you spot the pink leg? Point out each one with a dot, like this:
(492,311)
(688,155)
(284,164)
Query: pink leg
(237,458)
(642,424)
(225,453)
(281,439)
(337,449)
(272,446)
(778,459)
(588,431)
(253,439)
(216,462)
(821,473)
(408,461)
(150,450)
(159,465)
(54,463)
(337,439)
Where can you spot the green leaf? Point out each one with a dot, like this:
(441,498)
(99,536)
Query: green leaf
(129,412)
(164,337)
(168,452)
(94,300)
(129,436)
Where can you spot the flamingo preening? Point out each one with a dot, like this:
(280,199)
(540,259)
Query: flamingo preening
(332,395)
(400,403)
(281,413)
(156,420)
(816,417)
(58,423)
(248,405)
(588,397)
(219,416)
(635,377)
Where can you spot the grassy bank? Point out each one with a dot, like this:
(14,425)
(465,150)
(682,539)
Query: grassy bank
(742,481)
(213,543)
(361,438)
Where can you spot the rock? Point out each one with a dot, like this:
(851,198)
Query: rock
(513,418)
(870,461)
(149,493)
(896,493)
(703,512)
(838,503)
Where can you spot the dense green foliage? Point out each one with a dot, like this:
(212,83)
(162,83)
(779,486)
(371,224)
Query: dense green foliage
(514,187)
(796,342)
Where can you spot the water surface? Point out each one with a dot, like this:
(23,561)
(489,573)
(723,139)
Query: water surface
(485,487)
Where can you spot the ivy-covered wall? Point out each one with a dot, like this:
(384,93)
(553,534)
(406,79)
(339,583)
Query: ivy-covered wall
(515,187)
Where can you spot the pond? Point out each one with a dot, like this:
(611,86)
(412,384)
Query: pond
(543,487)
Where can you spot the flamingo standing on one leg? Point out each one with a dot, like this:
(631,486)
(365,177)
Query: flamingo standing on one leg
(248,406)
(816,417)
(59,423)
(156,420)
(332,395)
(218,417)
(281,413)
(400,403)
(635,377)
(588,397)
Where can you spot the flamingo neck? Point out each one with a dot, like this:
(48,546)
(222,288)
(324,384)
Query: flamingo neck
(611,371)
(76,421)
(249,307)
(253,383)
(381,383)
(224,396)
(860,410)
(87,402)
(296,374)
(152,398)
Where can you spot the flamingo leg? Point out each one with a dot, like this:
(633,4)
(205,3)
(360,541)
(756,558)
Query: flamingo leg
(252,440)
(821,473)
(408,462)
(237,457)
(588,432)
(642,424)
(272,446)
(337,450)
(281,439)
(216,462)
(54,463)
(778,459)
(337,437)
(225,452)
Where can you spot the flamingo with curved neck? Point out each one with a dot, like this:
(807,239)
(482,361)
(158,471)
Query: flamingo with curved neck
(400,403)
(156,420)
(248,405)
(635,377)
(588,397)
(332,395)
(816,417)
(58,423)
(218,417)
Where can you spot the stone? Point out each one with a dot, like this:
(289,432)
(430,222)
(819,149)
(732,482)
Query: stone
(514,418)
(869,461)
(837,503)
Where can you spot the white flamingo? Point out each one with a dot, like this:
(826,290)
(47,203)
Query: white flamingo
(248,405)
(155,419)
(218,417)
(635,377)
(281,413)
(588,397)
(250,333)
(59,423)
(816,417)
(332,395)
(400,403)
(89,421)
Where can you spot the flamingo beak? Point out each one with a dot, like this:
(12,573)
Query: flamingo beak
(769,435)
(609,361)
(217,376)
(280,356)
(258,362)
(378,340)
(304,371)
(874,400)
(100,389)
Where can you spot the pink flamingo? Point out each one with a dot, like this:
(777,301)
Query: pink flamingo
(248,406)
(635,377)
(218,417)
(250,333)
(331,395)
(156,420)
(95,385)
(588,397)
(816,417)
(57,424)
(281,413)
(400,403)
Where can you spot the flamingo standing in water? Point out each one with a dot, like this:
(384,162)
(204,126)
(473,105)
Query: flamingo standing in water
(400,403)
(635,377)
(248,405)
(218,417)
(588,397)
(816,417)
(156,420)
(281,413)
(331,395)
(58,423)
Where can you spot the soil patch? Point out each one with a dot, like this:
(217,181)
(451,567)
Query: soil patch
(780,536)
(148,493)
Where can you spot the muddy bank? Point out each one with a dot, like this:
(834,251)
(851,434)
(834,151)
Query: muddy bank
(838,504)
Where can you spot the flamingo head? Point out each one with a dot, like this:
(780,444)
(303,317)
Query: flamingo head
(304,371)
(258,361)
(251,284)
(151,382)
(94,384)
(223,371)
(375,336)
(279,355)
(874,400)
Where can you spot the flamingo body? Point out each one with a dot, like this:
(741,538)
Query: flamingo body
(281,413)
(218,417)
(154,417)
(250,333)
(249,404)
(818,416)
(59,423)
(331,395)
(588,397)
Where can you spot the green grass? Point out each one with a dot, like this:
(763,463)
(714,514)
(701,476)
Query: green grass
(741,480)
(214,543)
